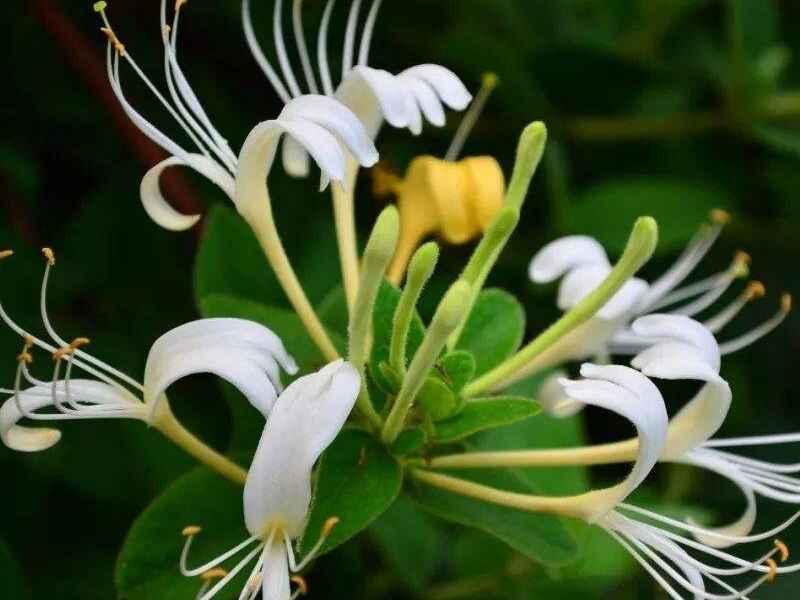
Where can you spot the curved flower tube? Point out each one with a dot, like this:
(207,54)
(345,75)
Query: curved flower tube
(244,353)
(305,420)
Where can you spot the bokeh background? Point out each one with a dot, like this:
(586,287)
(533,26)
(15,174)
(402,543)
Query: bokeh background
(663,107)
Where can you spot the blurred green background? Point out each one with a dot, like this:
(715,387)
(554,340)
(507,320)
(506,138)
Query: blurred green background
(663,107)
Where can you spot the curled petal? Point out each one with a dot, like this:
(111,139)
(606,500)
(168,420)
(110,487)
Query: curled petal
(244,353)
(582,281)
(427,100)
(157,206)
(564,254)
(445,83)
(304,421)
(374,95)
(554,399)
(661,327)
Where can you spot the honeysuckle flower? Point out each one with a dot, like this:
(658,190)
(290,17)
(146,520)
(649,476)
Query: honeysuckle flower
(244,353)
(581,263)
(374,95)
(321,126)
(306,418)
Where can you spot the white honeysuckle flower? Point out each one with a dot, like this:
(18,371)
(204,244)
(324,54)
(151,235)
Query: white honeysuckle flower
(321,126)
(304,421)
(374,95)
(244,353)
(582,264)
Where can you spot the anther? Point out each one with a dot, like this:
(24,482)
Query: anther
(100,6)
(784,550)
(719,216)
(786,303)
(112,37)
(179,3)
(70,348)
(49,255)
(773,570)
(754,290)
(6,254)
(301,584)
(25,357)
(327,528)
(191,530)
(211,574)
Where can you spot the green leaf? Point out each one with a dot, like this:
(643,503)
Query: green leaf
(383,318)
(459,369)
(494,329)
(409,441)
(411,542)
(607,210)
(12,584)
(485,413)
(286,325)
(357,481)
(147,566)
(333,311)
(543,538)
(436,399)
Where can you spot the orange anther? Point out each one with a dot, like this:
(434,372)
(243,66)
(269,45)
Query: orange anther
(301,584)
(784,549)
(49,255)
(191,530)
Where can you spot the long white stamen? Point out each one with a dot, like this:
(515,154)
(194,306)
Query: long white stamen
(251,588)
(350,38)
(760,331)
(736,270)
(471,117)
(689,291)
(258,53)
(302,48)
(322,49)
(366,37)
(755,290)
(646,565)
(233,573)
(214,563)
(280,48)
(327,528)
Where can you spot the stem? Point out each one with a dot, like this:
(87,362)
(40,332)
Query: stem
(421,269)
(640,247)
(344,215)
(380,248)
(172,429)
(448,315)
(263,224)
(489,82)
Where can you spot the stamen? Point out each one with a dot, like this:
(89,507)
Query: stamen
(280,48)
(322,49)
(301,584)
(325,532)
(49,255)
(327,528)
(191,530)
(6,254)
(759,331)
(366,37)
(179,3)
(773,570)
(349,38)
(489,82)
(258,54)
(720,216)
(25,356)
(739,268)
(233,573)
(112,37)
(754,291)
(217,573)
(189,533)
(302,48)
(784,550)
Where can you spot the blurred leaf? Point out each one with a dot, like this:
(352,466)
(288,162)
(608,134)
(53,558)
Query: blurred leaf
(542,538)
(485,413)
(12,585)
(494,329)
(608,210)
(411,542)
(333,311)
(459,369)
(147,567)
(778,138)
(436,399)
(409,441)
(383,318)
(357,481)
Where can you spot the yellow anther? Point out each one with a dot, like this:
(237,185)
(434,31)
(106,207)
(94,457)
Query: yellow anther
(78,342)
(100,6)
(112,37)
(490,80)
(327,528)
(179,3)
(217,573)
(741,264)
(28,343)
(6,254)
(301,584)
(786,302)
(773,570)
(191,530)
(25,357)
(167,29)
(49,255)
(719,216)
(754,290)
(70,348)
(784,549)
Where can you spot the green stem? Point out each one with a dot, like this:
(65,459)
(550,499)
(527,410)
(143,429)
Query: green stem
(379,251)
(640,247)
(445,320)
(419,271)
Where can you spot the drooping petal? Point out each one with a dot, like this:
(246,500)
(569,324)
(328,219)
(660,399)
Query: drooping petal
(564,254)
(630,394)
(426,99)
(157,206)
(304,421)
(680,328)
(374,95)
(244,353)
(445,83)
(34,439)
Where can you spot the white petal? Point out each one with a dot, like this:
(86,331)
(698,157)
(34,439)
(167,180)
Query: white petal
(244,353)
(275,584)
(446,84)
(304,421)
(582,281)
(680,328)
(157,206)
(426,99)
(374,95)
(35,439)
(553,398)
(630,394)
(565,254)
(295,158)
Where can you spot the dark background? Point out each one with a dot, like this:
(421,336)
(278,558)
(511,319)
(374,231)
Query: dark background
(664,107)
